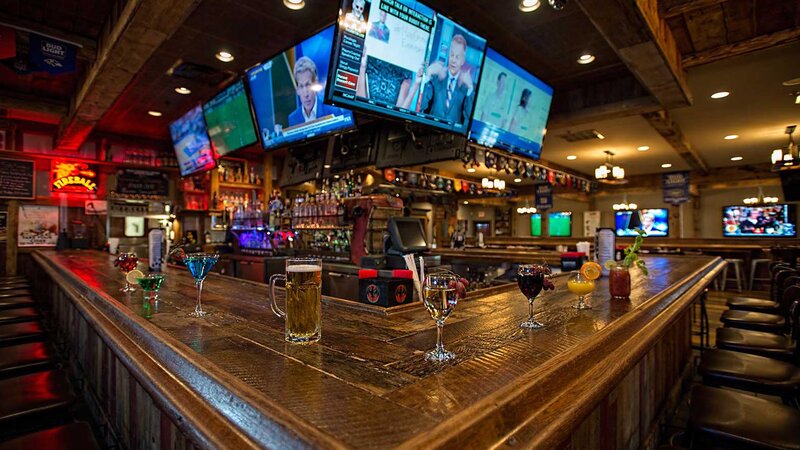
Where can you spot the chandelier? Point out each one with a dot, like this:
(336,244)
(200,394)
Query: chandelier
(527,209)
(760,200)
(608,172)
(496,183)
(624,206)
(790,157)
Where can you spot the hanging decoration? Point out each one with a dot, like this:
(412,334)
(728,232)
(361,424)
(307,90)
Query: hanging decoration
(421,180)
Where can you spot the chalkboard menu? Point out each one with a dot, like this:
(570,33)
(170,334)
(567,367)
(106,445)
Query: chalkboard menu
(136,182)
(16,178)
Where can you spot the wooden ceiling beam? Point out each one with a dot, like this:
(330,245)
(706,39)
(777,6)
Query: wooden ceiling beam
(87,47)
(662,122)
(741,48)
(137,31)
(690,6)
(41,105)
(644,42)
(623,108)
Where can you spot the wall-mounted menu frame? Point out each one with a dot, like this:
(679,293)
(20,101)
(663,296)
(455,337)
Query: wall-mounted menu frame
(17,178)
(133,182)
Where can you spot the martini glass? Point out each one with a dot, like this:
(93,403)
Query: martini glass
(200,264)
(126,262)
(150,284)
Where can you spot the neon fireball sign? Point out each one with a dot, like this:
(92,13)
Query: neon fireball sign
(78,178)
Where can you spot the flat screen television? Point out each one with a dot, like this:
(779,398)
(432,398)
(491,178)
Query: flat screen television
(287,94)
(653,221)
(560,224)
(779,220)
(229,120)
(191,142)
(511,108)
(402,59)
(536,225)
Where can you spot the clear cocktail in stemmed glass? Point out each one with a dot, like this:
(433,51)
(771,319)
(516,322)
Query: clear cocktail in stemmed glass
(531,279)
(199,265)
(440,296)
(126,262)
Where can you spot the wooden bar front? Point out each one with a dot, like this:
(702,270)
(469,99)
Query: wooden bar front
(230,381)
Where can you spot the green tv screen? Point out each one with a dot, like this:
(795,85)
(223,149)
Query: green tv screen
(560,224)
(536,224)
(230,124)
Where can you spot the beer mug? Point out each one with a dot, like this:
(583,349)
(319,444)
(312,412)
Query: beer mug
(303,316)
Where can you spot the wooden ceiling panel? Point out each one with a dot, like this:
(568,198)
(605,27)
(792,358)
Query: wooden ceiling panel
(706,27)
(681,34)
(775,15)
(739,23)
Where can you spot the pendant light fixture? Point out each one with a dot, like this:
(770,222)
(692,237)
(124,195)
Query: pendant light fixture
(609,173)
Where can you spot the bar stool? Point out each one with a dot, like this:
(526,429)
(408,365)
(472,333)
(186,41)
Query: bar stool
(20,333)
(751,373)
(754,269)
(37,394)
(25,358)
(16,302)
(770,345)
(737,272)
(18,315)
(14,285)
(726,417)
(16,293)
(75,436)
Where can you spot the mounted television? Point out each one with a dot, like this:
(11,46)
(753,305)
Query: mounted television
(402,59)
(287,94)
(229,121)
(536,225)
(560,224)
(192,145)
(773,221)
(654,222)
(511,108)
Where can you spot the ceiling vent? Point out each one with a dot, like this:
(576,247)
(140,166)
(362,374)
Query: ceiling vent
(583,135)
(200,73)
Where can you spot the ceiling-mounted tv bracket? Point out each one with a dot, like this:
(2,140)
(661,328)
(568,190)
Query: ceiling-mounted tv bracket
(410,129)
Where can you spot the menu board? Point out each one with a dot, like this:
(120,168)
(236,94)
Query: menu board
(142,182)
(16,178)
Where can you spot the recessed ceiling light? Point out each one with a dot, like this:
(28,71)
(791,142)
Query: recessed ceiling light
(737,158)
(517,180)
(466,202)
(666,166)
(586,58)
(183,91)
(294,4)
(643,148)
(572,157)
(154,113)
(337,177)
(529,5)
(720,94)
(731,137)
(327,166)
(471,170)
(224,56)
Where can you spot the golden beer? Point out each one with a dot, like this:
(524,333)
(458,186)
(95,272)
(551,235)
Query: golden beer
(303,310)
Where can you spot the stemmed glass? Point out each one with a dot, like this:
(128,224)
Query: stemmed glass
(531,278)
(440,297)
(581,286)
(126,262)
(150,285)
(200,264)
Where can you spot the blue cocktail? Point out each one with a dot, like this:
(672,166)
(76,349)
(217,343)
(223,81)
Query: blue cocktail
(200,264)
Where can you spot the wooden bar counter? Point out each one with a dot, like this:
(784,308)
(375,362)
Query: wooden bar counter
(590,379)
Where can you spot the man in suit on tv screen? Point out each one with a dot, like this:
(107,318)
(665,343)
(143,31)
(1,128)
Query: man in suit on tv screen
(449,92)
(309,92)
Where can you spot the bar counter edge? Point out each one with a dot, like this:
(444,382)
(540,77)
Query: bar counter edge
(159,393)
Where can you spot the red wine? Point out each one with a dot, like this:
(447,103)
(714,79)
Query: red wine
(530,284)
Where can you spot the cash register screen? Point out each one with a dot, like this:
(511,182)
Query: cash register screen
(407,234)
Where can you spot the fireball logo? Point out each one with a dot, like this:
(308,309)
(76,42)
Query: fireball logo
(373,293)
(400,294)
(77,176)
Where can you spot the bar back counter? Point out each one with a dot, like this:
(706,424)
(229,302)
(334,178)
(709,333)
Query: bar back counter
(596,378)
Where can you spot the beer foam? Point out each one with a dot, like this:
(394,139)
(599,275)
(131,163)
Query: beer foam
(304,268)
